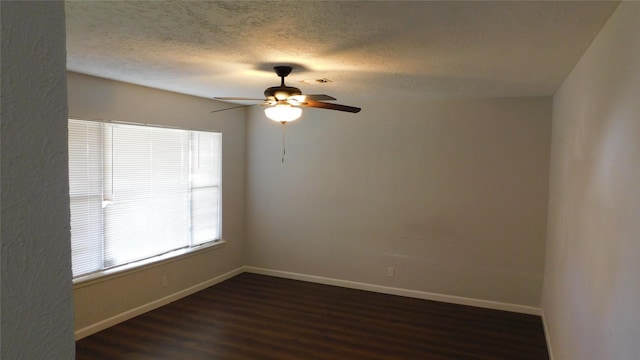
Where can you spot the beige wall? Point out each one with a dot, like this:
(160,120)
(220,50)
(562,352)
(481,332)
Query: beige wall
(591,297)
(451,193)
(35,267)
(94,98)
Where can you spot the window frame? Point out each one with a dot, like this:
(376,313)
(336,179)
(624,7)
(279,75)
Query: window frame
(172,255)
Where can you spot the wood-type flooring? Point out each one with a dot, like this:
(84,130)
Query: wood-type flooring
(261,317)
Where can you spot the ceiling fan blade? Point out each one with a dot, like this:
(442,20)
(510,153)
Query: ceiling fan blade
(233,107)
(324,105)
(237,99)
(312,97)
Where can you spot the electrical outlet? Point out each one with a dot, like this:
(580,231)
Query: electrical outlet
(164,281)
(390,271)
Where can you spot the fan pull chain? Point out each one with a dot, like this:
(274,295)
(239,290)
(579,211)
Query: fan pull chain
(284,140)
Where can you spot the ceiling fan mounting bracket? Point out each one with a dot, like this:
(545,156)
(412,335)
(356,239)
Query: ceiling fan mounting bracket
(283,71)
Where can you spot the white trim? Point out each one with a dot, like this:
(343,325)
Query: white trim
(547,336)
(122,122)
(106,323)
(487,304)
(142,265)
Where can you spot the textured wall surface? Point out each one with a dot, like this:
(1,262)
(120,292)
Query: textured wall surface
(452,194)
(36,307)
(591,292)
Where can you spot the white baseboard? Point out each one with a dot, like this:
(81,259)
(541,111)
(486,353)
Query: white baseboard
(547,336)
(101,325)
(487,304)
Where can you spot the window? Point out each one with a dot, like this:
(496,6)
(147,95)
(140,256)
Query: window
(137,192)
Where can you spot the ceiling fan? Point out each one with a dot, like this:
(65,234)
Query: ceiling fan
(285,102)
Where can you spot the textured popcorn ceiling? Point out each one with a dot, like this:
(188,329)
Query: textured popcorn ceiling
(388,49)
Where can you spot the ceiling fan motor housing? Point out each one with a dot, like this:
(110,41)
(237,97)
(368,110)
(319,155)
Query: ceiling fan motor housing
(281,92)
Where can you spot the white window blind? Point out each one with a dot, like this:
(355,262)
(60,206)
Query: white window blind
(137,192)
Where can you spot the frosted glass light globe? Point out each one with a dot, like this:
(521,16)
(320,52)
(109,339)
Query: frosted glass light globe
(283,113)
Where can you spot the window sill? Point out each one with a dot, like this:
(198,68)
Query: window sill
(137,266)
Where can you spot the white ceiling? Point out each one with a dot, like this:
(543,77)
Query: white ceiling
(387,49)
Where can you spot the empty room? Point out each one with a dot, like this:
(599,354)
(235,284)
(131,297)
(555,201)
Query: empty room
(320,180)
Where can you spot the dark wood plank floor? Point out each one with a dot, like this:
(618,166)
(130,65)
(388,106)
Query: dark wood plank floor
(260,317)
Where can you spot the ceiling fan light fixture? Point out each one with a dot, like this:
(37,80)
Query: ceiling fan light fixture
(281,95)
(283,113)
